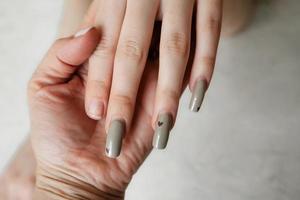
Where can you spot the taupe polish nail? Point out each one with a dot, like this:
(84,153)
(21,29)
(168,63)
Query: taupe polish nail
(198,95)
(114,138)
(162,131)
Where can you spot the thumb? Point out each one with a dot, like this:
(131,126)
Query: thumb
(64,57)
(80,47)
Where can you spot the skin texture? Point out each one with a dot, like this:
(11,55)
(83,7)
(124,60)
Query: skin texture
(117,65)
(68,145)
(22,176)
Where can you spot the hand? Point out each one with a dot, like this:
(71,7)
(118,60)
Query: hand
(68,145)
(117,65)
(18,180)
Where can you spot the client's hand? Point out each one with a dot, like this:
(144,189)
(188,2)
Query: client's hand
(68,145)
(117,66)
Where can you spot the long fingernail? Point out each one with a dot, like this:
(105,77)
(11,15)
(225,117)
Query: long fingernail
(114,138)
(162,131)
(198,95)
(96,109)
(82,32)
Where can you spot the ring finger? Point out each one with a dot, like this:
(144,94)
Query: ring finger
(129,65)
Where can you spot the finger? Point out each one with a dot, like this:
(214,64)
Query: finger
(129,65)
(174,52)
(63,58)
(101,62)
(209,17)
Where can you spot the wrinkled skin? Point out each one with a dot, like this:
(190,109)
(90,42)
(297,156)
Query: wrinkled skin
(65,140)
(21,177)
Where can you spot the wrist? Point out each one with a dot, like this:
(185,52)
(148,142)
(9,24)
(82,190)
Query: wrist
(58,185)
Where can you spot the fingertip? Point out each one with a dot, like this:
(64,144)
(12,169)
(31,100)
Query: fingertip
(95,109)
(198,93)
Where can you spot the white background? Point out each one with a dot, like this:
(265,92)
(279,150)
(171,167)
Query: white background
(243,145)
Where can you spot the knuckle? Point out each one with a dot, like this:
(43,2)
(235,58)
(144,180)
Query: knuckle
(123,100)
(177,43)
(34,84)
(171,95)
(132,50)
(212,25)
(83,72)
(60,72)
(105,48)
(45,94)
(208,61)
(98,88)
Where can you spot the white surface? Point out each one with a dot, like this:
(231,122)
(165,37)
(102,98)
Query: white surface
(27,28)
(245,143)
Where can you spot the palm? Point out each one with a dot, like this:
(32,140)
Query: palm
(65,138)
(68,138)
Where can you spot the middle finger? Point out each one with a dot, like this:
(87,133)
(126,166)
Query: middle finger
(130,60)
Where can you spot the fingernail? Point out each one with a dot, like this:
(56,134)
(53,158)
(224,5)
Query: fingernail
(114,138)
(162,131)
(96,109)
(198,95)
(83,31)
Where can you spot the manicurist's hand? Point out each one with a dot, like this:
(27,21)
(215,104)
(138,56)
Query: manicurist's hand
(69,145)
(18,179)
(117,65)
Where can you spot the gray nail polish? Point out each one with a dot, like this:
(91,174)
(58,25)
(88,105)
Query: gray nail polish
(162,131)
(198,95)
(114,138)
